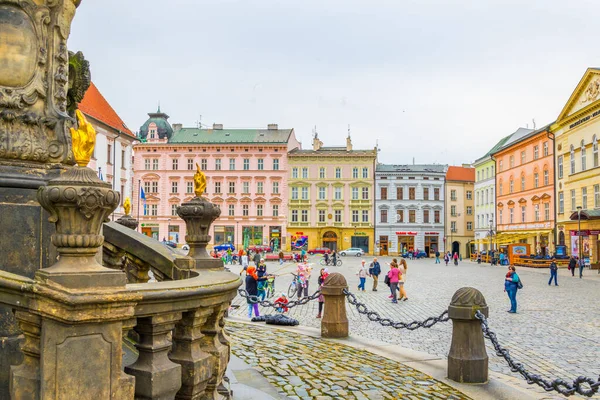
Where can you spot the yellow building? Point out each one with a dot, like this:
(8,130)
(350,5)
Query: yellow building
(460,216)
(577,131)
(331,197)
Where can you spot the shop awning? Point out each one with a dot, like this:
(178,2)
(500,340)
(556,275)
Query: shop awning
(514,237)
(585,215)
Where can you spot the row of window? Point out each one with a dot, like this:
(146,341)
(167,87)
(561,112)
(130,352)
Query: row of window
(260,210)
(152,187)
(523,210)
(469,195)
(485,221)
(109,155)
(583,158)
(453,213)
(484,196)
(302,216)
(481,176)
(322,173)
(412,193)
(322,193)
(412,216)
(584,199)
(536,182)
(536,155)
(153,164)
(453,226)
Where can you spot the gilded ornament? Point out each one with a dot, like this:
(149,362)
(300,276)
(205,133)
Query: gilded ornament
(199,182)
(127,205)
(84,140)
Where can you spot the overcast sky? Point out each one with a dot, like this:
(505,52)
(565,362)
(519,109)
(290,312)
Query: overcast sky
(440,81)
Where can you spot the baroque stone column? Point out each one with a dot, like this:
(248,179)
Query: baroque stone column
(199,214)
(34,140)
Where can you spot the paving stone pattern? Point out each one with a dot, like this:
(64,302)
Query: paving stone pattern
(555,333)
(302,367)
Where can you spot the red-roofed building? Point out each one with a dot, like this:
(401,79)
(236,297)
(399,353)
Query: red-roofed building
(112,158)
(460,210)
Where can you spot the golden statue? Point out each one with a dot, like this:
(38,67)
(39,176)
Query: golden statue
(127,205)
(199,182)
(84,140)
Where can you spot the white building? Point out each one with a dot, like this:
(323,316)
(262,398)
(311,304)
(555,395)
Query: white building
(409,208)
(112,158)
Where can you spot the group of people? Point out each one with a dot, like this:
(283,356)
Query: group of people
(449,256)
(330,259)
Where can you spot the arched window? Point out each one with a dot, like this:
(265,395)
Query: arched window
(595,150)
(572,159)
(523,182)
(583,156)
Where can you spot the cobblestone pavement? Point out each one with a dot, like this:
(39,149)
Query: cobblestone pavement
(299,366)
(555,333)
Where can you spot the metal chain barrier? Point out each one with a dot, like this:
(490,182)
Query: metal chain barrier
(560,385)
(375,317)
(266,303)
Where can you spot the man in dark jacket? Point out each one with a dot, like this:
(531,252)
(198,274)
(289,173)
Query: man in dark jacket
(553,272)
(256,258)
(374,271)
(572,265)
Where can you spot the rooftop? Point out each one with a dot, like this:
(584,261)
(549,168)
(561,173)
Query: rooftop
(439,168)
(460,174)
(95,105)
(231,136)
(333,151)
(520,135)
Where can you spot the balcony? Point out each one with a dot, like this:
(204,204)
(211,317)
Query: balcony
(299,202)
(304,224)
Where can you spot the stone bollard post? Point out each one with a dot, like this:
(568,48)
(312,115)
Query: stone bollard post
(334,323)
(467,359)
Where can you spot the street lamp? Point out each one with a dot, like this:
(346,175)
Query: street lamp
(491,244)
(579,231)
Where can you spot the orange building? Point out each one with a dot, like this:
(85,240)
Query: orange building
(525,190)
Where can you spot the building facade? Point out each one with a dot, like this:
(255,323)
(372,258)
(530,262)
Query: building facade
(485,199)
(330,197)
(459,206)
(410,208)
(113,153)
(525,198)
(577,132)
(246,172)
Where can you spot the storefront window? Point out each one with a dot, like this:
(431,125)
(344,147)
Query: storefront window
(224,234)
(252,236)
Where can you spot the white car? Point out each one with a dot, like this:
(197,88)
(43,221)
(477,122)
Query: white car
(353,251)
(185,247)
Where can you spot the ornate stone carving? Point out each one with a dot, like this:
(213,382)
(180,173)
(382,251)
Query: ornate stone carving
(198,215)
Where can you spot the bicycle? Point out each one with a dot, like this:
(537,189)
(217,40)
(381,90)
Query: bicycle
(293,288)
(270,288)
(330,262)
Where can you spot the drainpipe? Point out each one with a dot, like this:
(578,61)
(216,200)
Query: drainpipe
(551,136)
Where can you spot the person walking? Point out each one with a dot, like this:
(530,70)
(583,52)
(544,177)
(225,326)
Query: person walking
(581,266)
(511,284)
(374,272)
(256,258)
(252,290)
(446,258)
(362,276)
(572,265)
(394,275)
(334,258)
(303,271)
(244,261)
(403,267)
(553,272)
(455,258)
(303,255)
(281,257)
(261,271)
(437,257)
(323,274)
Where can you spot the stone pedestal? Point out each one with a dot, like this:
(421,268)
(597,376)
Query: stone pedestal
(467,359)
(334,323)
(199,214)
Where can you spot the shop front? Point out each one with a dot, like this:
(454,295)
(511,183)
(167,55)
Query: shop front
(406,241)
(432,243)
(330,240)
(275,238)
(224,234)
(360,240)
(252,236)
(174,233)
(151,230)
(383,245)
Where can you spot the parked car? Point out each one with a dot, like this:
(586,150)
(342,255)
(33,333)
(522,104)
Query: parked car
(353,251)
(170,244)
(224,247)
(319,250)
(420,254)
(260,249)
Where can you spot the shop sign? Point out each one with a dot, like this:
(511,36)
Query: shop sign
(584,119)
(299,233)
(432,233)
(360,234)
(544,225)
(407,233)
(584,233)
(149,225)
(275,234)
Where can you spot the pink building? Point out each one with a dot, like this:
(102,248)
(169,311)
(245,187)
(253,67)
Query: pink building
(246,171)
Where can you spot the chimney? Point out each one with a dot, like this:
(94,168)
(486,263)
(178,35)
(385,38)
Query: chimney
(218,127)
(348,143)
(177,127)
(272,127)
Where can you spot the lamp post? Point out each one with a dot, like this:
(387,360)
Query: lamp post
(237,228)
(580,249)
(491,243)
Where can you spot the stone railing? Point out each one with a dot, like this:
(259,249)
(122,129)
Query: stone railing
(74,314)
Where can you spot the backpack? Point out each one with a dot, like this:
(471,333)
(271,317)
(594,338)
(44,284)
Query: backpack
(520,283)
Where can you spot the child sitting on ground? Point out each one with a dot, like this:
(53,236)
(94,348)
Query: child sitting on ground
(281,301)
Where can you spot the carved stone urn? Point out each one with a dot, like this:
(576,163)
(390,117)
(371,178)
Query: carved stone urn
(199,214)
(79,203)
